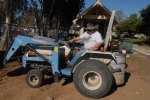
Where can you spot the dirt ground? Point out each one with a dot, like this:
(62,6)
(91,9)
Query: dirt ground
(137,87)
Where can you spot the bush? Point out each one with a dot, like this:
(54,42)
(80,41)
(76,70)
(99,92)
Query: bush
(147,41)
(136,41)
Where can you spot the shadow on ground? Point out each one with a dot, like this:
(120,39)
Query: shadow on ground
(67,81)
(17,72)
(114,87)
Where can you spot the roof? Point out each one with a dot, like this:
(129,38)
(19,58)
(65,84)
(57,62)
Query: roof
(93,7)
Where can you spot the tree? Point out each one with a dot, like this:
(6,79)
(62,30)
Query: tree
(130,25)
(2,12)
(145,26)
(133,22)
(12,8)
(120,15)
(61,12)
(26,19)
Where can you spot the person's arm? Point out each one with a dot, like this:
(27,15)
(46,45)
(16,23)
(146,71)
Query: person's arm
(96,46)
(78,38)
(75,39)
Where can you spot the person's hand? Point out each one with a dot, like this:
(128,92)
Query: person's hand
(91,49)
(71,41)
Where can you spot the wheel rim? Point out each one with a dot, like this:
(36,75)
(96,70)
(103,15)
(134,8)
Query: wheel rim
(92,80)
(33,79)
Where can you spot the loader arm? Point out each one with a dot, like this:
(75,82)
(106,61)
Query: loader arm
(20,41)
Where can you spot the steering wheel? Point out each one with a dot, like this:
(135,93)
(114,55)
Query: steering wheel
(64,43)
(73,45)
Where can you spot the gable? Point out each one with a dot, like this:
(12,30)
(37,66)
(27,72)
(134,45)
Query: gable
(97,12)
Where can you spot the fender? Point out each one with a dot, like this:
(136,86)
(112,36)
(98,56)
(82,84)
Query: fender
(92,55)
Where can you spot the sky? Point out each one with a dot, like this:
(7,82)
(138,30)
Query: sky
(127,6)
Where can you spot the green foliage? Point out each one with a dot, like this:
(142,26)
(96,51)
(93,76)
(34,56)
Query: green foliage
(147,41)
(130,25)
(139,41)
(19,5)
(136,41)
(136,24)
(63,10)
(60,13)
(13,8)
(145,26)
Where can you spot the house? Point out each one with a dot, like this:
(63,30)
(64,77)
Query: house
(97,14)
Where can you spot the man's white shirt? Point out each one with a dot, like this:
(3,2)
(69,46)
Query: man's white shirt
(91,40)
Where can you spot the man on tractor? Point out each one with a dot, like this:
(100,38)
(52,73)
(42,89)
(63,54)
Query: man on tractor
(92,41)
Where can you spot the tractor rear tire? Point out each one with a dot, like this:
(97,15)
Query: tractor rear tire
(93,79)
(34,78)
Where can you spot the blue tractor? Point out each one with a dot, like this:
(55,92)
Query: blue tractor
(93,73)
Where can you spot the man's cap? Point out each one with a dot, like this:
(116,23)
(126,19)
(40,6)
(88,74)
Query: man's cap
(90,26)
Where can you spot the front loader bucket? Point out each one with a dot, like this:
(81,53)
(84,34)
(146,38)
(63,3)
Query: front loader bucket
(2,53)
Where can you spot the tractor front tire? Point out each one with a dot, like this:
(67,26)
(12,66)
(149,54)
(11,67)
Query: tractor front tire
(93,79)
(34,78)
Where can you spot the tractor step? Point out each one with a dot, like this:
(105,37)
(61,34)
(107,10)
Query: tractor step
(66,71)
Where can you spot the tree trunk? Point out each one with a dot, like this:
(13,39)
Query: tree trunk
(57,31)
(6,37)
(44,24)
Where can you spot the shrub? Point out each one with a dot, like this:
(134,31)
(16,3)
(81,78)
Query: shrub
(136,41)
(147,41)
